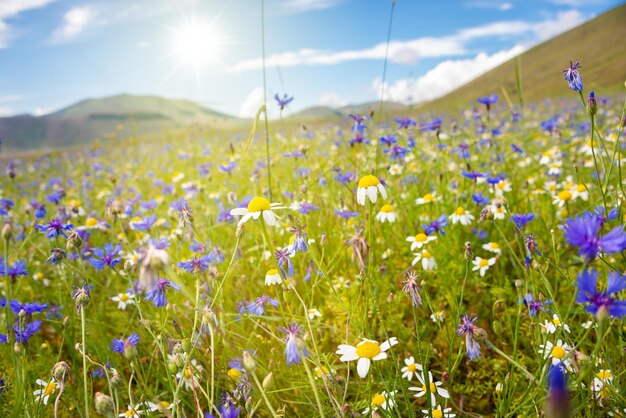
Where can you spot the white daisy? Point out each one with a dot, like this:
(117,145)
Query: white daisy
(438,412)
(42,395)
(483,264)
(410,369)
(550,327)
(256,207)
(562,197)
(428,198)
(369,186)
(557,352)
(365,352)
(427,259)
(462,216)
(492,247)
(435,388)
(313,313)
(124,299)
(419,240)
(272,277)
(387,214)
(383,400)
(134,411)
(498,211)
(579,191)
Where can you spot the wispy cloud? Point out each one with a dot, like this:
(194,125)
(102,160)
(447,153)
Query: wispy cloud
(75,21)
(251,103)
(489,4)
(331,100)
(10,9)
(410,51)
(299,6)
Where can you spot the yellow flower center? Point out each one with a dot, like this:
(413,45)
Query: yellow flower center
(258,204)
(131,412)
(437,413)
(501,185)
(50,387)
(421,237)
(164,404)
(234,374)
(556,321)
(91,222)
(428,197)
(272,272)
(124,297)
(426,254)
(459,211)
(386,208)
(368,181)
(494,246)
(558,352)
(378,400)
(604,374)
(368,349)
(433,388)
(483,263)
(565,195)
(187,373)
(411,368)
(580,188)
(136,219)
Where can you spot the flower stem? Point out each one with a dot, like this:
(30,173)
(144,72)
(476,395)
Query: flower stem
(84,353)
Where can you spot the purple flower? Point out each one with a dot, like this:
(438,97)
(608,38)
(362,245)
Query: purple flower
(197,263)
(5,206)
(13,271)
(294,349)
(306,208)
(346,214)
(584,232)
(488,100)
(522,219)
(573,77)
(157,293)
(470,331)
(396,152)
(435,125)
(284,263)
(595,300)
(534,306)
(437,226)
(284,101)
(125,346)
(145,223)
(258,306)
(29,307)
(388,140)
(54,228)
(359,123)
(23,334)
(228,168)
(405,122)
(106,257)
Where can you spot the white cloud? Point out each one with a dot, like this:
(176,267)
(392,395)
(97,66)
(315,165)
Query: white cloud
(331,100)
(6,111)
(410,51)
(12,8)
(74,22)
(577,3)
(252,103)
(444,78)
(489,4)
(143,44)
(298,6)
(40,111)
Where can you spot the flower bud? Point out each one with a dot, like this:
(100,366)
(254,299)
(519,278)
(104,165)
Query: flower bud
(592,104)
(248,362)
(186,345)
(268,382)
(115,378)
(7,231)
(61,371)
(74,241)
(239,231)
(172,368)
(104,405)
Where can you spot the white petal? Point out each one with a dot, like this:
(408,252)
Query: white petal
(239,211)
(360,196)
(363,366)
(372,193)
(380,356)
(382,190)
(244,218)
(389,343)
(269,217)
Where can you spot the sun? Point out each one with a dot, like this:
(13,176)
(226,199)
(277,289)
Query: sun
(196,43)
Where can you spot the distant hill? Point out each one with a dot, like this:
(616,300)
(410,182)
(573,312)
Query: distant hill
(109,118)
(324,113)
(599,44)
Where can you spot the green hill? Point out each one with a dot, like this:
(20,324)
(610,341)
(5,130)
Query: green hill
(598,44)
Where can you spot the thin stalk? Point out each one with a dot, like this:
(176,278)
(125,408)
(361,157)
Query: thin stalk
(84,353)
(267,127)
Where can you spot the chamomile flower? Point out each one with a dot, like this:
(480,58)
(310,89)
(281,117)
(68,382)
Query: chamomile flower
(483,264)
(437,317)
(134,411)
(369,186)
(272,277)
(550,327)
(313,313)
(502,187)
(419,240)
(460,215)
(124,299)
(435,388)
(562,197)
(190,375)
(410,369)
(48,388)
(439,412)
(492,247)
(601,386)
(579,191)
(383,400)
(556,352)
(427,198)
(427,259)
(365,352)
(256,207)
(387,214)
(498,211)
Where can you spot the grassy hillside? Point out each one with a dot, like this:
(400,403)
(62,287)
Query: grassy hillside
(598,44)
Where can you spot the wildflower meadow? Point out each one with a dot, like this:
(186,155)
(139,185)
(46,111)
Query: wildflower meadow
(422,264)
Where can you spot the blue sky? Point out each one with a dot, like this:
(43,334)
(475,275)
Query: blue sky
(324,52)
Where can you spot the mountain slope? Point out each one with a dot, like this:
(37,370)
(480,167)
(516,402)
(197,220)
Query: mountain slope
(598,44)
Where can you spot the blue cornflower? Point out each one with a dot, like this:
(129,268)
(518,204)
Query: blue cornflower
(594,300)
(558,398)
(584,232)
(38,208)
(126,346)
(106,257)
(358,139)
(359,123)
(144,224)
(550,125)
(405,122)
(14,271)
(573,77)
(157,293)
(284,263)
(183,211)
(56,255)
(23,334)
(160,244)
(228,168)
(517,149)
(29,308)
(462,150)
(472,175)
(300,238)
(54,228)
(488,100)
(148,205)
(5,206)
(470,331)
(434,125)
(522,219)
(294,349)
(258,306)
(346,214)
(479,199)
(226,411)
(55,197)
(224,215)
(388,140)
(284,101)
(613,214)
(344,178)
(198,263)
(534,306)
(436,226)
(305,208)
(396,152)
